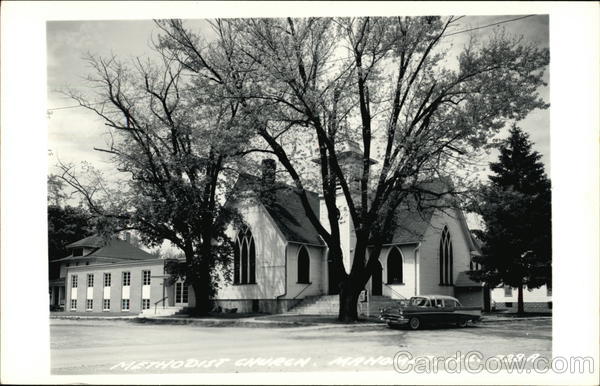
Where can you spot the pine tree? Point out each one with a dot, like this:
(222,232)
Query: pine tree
(516,208)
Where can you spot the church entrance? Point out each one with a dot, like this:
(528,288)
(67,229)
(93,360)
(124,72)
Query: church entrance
(376,281)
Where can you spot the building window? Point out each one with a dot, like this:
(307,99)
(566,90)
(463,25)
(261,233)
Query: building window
(395,274)
(106,305)
(89,304)
(303,266)
(73,304)
(145,304)
(125,304)
(181,293)
(126,278)
(73,281)
(90,280)
(145,277)
(507,291)
(107,279)
(446,258)
(244,258)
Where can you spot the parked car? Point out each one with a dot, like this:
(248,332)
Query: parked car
(428,310)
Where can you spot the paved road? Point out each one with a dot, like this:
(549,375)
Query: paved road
(115,347)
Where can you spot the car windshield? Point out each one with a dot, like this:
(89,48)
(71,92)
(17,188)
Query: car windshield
(419,302)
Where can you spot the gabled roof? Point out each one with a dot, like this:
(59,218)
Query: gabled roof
(286,209)
(411,225)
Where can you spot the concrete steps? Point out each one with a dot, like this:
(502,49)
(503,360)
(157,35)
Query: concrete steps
(329,305)
(160,311)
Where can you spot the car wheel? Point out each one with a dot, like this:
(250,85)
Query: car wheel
(414,323)
(462,323)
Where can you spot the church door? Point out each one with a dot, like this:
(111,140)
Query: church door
(376,281)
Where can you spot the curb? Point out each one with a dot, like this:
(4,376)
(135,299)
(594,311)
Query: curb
(250,323)
(503,320)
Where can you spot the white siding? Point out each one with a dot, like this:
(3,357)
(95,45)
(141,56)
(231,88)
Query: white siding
(270,258)
(429,270)
(534,295)
(300,290)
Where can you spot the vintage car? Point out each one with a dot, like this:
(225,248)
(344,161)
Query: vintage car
(429,309)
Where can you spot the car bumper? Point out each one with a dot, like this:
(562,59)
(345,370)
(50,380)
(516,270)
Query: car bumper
(399,320)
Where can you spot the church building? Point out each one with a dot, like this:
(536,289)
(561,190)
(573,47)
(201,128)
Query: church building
(279,260)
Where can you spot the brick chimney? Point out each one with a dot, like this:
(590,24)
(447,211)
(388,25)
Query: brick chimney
(267,181)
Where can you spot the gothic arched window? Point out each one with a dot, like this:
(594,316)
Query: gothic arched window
(446,258)
(244,264)
(236,261)
(395,274)
(252,262)
(303,266)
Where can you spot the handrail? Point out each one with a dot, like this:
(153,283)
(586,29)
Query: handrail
(156,303)
(298,294)
(397,293)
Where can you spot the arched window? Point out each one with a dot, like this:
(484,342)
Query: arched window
(446,258)
(252,263)
(303,266)
(244,265)
(395,274)
(244,271)
(236,261)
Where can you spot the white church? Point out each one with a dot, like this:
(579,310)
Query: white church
(280,259)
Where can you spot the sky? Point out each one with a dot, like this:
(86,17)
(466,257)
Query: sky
(73,132)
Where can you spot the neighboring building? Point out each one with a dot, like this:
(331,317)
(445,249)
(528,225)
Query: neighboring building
(114,276)
(538,299)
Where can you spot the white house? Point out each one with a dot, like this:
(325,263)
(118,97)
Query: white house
(538,299)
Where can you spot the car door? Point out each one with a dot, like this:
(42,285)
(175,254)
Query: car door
(453,312)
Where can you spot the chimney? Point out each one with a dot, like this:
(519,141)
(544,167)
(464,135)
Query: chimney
(267,181)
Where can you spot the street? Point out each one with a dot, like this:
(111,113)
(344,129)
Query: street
(119,347)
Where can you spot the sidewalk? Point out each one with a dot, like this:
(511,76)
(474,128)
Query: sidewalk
(253,321)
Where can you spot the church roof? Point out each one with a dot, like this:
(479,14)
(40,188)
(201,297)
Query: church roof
(411,225)
(286,210)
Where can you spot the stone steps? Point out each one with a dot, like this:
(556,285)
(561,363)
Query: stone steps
(160,311)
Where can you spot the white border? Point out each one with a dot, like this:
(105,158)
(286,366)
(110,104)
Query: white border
(574,152)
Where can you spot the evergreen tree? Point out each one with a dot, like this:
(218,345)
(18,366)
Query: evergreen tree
(516,208)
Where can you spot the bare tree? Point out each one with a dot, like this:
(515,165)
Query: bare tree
(386,84)
(176,146)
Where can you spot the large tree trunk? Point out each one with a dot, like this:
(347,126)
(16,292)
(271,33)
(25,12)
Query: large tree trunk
(520,305)
(348,302)
(353,285)
(199,278)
